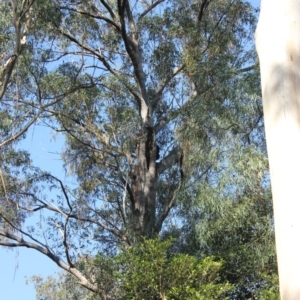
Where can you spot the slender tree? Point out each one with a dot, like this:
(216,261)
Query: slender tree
(278,46)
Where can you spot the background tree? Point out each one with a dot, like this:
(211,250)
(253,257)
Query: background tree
(159,106)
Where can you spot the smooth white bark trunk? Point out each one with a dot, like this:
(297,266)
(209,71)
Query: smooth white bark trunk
(278,47)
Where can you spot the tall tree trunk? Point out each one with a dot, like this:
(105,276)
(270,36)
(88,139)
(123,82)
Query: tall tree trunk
(278,47)
(144,184)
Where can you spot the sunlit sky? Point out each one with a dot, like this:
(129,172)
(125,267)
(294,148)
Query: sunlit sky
(18,264)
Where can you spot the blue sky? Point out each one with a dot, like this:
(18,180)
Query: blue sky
(15,266)
(19,264)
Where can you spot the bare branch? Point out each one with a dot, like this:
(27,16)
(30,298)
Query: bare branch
(65,243)
(24,10)
(20,242)
(109,68)
(39,112)
(23,130)
(170,160)
(108,9)
(164,84)
(167,209)
(99,16)
(5,73)
(250,68)
(115,231)
(153,5)
(171,203)
(89,49)
(7,69)
(16,228)
(203,6)
(131,45)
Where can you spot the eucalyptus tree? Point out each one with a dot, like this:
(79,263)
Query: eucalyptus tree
(20,23)
(122,81)
(230,212)
(278,51)
(15,26)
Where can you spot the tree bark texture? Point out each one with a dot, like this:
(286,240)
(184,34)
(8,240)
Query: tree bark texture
(278,47)
(144,182)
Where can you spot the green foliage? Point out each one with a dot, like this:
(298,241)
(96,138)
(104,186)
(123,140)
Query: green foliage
(146,271)
(270,288)
(149,272)
(86,72)
(233,220)
(60,288)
